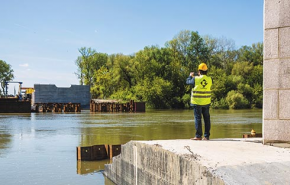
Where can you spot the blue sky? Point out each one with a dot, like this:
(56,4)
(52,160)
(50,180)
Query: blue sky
(40,39)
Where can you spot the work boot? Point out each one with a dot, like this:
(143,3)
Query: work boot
(196,138)
(205,138)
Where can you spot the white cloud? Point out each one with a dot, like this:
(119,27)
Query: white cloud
(24,65)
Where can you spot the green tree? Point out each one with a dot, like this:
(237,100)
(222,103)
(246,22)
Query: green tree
(80,73)
(197,51)
(103,86)
(123,76)
(242,68)
(258,96)
(85,65)
(222,52)
(157,74)
(155,92)
(123,72)
(255,76)
(191,49)
(88,63)
(252,54)
(6,74)
(219,87)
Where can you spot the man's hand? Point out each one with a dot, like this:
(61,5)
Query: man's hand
(191,74)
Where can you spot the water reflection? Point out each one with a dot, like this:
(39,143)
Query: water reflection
(86,167)
(175,124)
(5,137)
(39,147)
(94,167)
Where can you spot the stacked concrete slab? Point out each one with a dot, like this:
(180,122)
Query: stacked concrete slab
(276,105)
(47,93)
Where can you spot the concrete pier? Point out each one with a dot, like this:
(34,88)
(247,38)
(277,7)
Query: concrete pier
(226,161)
(276,109)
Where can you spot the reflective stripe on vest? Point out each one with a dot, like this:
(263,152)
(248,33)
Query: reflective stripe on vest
(201,93)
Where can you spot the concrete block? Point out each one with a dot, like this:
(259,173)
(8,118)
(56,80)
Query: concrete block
(284,14)
(284,105)
(48,93)
(284,42)
(270,104)
(276,13)
(271,74)
(276,74)
(276,130)
(284,73)
(271,13)
(271,44)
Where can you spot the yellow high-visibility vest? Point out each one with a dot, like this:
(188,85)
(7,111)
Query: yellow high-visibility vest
(201,93)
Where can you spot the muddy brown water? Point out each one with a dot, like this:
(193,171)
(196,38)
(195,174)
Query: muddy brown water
(40,148)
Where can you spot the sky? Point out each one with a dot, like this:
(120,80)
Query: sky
(40,39)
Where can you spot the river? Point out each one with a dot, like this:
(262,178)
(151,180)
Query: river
(40,148)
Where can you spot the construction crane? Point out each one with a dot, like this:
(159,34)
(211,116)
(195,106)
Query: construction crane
(6,83)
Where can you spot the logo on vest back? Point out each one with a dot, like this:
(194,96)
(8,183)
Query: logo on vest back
(203,83)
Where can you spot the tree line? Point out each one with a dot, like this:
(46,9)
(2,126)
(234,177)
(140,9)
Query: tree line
(157,75)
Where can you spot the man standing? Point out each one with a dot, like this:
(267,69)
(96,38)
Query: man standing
(200,100)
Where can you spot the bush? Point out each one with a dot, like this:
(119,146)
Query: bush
(236,100)
(220,104)
(258,96)
(156,93)
(186,100)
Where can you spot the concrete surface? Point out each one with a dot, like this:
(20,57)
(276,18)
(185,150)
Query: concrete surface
(48,93)
(276,74)
(224,161)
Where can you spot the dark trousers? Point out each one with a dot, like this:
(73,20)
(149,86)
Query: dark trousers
(199,111)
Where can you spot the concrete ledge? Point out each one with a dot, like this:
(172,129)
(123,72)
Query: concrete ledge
(231,161)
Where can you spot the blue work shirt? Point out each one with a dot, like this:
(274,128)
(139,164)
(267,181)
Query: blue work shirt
(190,81)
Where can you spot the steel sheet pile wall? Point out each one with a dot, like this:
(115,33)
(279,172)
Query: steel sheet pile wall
(98,152)
(13,105)
(114,106)
(58,107)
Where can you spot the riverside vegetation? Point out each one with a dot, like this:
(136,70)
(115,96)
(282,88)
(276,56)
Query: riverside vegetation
(157,75)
